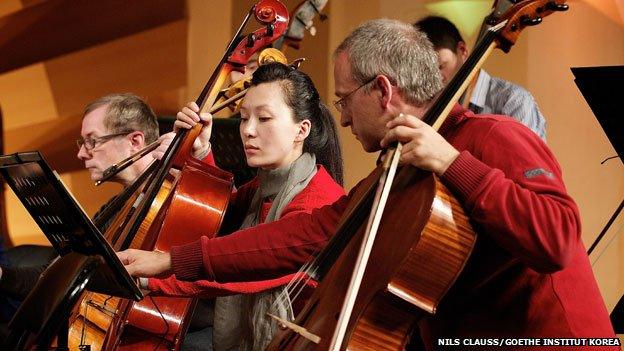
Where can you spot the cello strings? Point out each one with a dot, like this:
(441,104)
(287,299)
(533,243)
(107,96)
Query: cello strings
(295,281)
(284,296)
(294,291)
(84,323)
(297,284)
(163,337)
(302,286)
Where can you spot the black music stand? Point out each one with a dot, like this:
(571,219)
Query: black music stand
(45,311)
(85,254)
(602,89)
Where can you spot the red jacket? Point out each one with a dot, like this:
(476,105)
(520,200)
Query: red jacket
(321,190)
(528,276)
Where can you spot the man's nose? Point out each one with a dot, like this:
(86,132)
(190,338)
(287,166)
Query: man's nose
(345,120)
(83,154)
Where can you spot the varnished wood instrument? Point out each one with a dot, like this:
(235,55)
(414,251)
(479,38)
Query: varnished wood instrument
(398,266)
(182,199)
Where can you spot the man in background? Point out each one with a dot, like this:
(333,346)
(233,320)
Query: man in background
(491,95)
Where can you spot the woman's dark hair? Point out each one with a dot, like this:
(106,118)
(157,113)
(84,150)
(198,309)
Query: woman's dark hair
(304,100)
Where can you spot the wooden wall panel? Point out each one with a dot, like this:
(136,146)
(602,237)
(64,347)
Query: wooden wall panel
(9,6)
(26,98)
(55,139)
(144,64)
(209,33)
(56,27)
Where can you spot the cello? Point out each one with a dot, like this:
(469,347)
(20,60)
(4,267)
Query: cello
(179,199)
(417,258)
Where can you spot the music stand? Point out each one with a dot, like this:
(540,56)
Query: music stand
(68,228)
(46,310)
(602,89)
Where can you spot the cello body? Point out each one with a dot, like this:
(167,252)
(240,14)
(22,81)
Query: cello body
(411,267)
(187,207)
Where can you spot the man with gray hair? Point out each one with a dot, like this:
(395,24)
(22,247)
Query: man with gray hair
(528,275)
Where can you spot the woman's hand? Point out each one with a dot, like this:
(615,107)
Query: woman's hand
(187,118)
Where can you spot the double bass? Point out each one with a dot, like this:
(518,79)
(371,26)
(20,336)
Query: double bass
(416,258)
(175,202)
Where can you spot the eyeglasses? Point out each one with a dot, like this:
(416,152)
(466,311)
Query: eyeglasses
(91,143)
(341,103)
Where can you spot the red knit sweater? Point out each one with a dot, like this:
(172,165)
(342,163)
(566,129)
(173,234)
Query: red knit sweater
(321,190)
(528,276)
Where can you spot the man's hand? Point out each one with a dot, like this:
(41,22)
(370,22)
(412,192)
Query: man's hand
(187,118)
(146,264)
(423,147)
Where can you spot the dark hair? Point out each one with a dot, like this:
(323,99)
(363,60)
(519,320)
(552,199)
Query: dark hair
(127,112)
(441,32)
(304,100)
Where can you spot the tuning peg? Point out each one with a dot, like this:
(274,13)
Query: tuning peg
(269,30)
(251,39)
(553,6)
(296,63)
(527,21)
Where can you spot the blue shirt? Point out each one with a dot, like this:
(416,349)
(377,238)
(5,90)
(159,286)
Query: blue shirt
(493,95)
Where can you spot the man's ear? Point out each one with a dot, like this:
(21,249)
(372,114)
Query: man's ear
(137,140)
(462,51)
(385,88)
(304,130)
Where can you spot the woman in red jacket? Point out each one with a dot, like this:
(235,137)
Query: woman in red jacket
(290,136)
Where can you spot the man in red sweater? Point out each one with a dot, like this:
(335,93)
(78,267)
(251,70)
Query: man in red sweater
(528,275)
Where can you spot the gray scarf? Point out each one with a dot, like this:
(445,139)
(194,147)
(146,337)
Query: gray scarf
(241,321)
